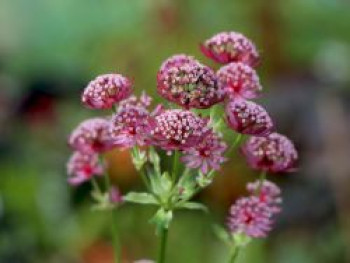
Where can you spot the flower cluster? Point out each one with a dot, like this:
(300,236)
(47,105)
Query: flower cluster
(253,215)
(188,126)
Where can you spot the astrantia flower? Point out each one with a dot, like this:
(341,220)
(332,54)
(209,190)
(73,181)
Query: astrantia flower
(248,118)
(229,47)
(106,90)
(239,81)
(207,154)
(268,192)
(188,83)
(178,129)
(176,61)
(115,196)
(82,166)
(91,135)
(131,125)
(250,216)
(274,153)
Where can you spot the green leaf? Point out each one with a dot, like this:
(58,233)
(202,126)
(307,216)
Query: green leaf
(222,234)
(161,185)
(140,198)
(166,182)
(193,206)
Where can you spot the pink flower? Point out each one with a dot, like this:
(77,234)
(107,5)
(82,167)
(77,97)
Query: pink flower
(82,166)
(106,90)
(268,192)
(229,47)
(274,153)
(188,83)
(178,129)
(115,196)
(239,81)
(207,154)
(131,125)
(251,217)
(176,61)
(248,118)
(91,135)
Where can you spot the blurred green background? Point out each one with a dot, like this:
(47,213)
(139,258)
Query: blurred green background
(49,50)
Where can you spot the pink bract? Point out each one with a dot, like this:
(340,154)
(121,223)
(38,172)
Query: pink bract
(82,166)
(207,154)
(268,192)
(251,217)
(92,135)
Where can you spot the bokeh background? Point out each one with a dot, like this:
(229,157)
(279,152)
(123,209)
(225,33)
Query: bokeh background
(49,50)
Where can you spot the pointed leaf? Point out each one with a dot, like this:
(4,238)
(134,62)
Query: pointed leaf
(140,198)
(193,206)
(222,234)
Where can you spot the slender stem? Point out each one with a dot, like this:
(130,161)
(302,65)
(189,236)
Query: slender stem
(114,227)
(234,254)
(163,244)
(145,179)
(95,184)
(175,166)
(262,178)
(235,143)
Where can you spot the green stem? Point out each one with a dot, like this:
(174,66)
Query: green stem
(235,142)
(262,178)
(234,254)
(95,185)
(163,244)
(114,227)
(175,166)
(145,179)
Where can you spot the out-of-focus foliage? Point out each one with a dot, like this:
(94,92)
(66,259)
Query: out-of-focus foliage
(50,49)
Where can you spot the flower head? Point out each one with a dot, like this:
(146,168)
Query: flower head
(239,81)
(274,153)
(251,217)
(82,166)
(106,90)
(115,196)
(178,129)
(207,154)
(188,83)
(248,118)
(229,47)
(131,125)
(268,192)
(91,135)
